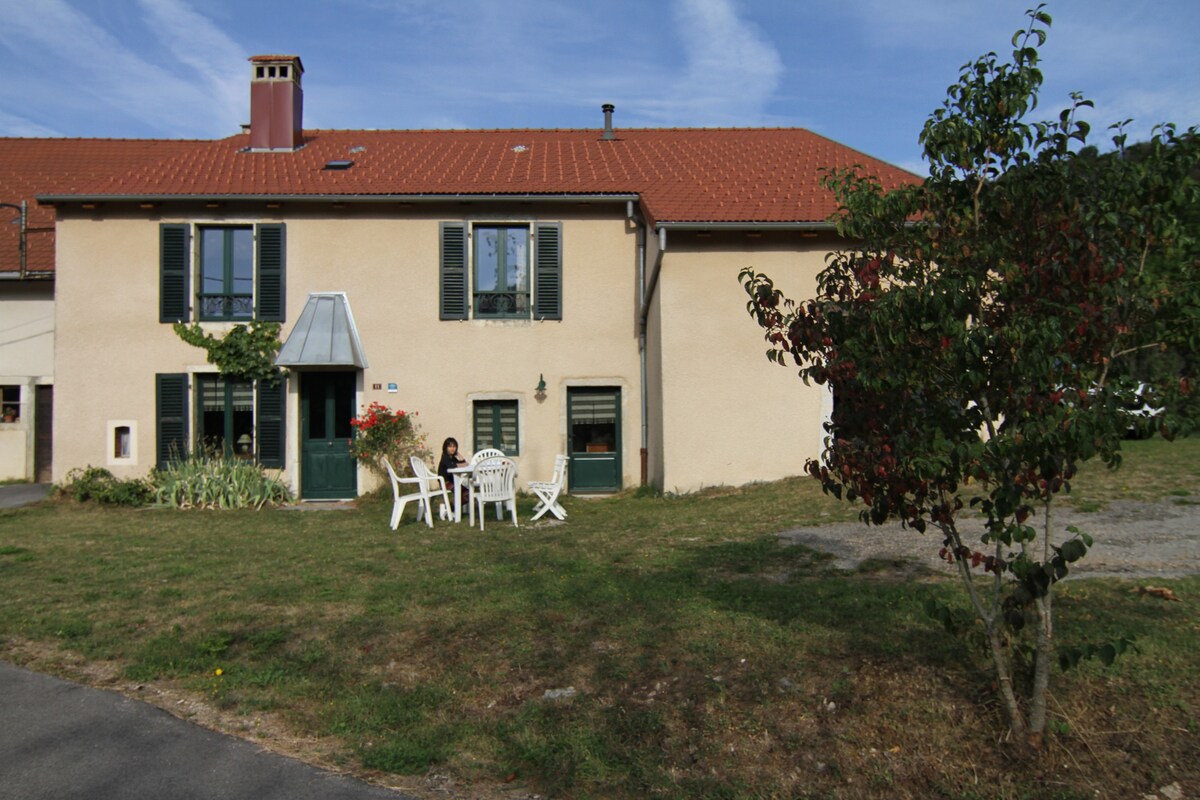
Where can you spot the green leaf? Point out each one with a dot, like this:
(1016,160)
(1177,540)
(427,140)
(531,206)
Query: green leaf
(1073,550)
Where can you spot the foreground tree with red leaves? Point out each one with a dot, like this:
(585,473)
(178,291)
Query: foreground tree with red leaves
(970,338)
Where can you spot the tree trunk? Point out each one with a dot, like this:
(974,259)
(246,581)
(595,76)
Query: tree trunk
(1044,653)
(1008,696)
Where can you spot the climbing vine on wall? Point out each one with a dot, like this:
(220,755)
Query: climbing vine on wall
(246,352)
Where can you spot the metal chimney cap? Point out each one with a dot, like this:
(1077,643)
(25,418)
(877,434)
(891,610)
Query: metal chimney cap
(608,109)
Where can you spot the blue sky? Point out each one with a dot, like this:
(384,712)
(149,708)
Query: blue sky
(864,72)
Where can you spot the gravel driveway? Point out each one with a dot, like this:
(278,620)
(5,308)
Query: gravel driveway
(1132,540)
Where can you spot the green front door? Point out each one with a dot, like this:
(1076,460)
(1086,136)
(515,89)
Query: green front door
(327,470)
(594,437)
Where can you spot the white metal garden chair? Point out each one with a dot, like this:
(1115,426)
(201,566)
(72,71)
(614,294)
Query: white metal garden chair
(423,495)
(548,491)
(494,481)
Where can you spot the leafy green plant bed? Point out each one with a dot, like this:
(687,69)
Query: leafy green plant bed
(649,647)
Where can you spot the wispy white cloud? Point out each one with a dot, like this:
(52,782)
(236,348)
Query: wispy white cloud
(215,59)
(1133,58)
(731,69)
(13,125)
(102,74)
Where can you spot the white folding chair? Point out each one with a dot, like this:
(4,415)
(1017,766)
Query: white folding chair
(422,496)
(494,481)
(548,491)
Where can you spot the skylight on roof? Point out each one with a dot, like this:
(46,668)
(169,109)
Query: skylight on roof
(520,148)
(339,163)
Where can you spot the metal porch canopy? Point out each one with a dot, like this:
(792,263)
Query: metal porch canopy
(324,336)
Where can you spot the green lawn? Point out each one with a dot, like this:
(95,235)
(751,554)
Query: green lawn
(706,659)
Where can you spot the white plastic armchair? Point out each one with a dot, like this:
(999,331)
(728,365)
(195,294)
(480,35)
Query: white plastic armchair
(548,491)
(485,454)
(494,481)
(435,484)
(423,495)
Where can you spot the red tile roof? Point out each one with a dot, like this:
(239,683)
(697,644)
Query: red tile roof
(32,167)
(740,175)
(697,175)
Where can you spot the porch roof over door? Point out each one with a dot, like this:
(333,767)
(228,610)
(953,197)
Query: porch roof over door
(324,336)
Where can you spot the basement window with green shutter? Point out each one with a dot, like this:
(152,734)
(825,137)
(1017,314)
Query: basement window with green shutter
(225,417)
(496,426)
(231,419)
(240,419)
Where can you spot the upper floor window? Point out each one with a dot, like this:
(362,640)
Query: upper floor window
(240,276)
(501,271)
(226,273)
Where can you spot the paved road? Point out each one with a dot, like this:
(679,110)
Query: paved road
(61,741)
(1132,540)
(22,494)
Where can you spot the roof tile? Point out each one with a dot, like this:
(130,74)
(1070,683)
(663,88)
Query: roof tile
(32,167)
(700,175)
(683,175)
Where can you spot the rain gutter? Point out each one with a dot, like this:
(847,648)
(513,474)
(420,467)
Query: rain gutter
(333,198)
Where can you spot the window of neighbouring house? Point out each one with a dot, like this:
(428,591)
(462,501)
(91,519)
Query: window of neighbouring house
(495,425)
(225,418)
(501,271)
(10,403)
(240,273)
(226,290)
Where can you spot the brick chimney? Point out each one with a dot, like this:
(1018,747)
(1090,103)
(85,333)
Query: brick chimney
(276,103)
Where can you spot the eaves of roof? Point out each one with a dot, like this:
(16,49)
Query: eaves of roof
(341,198)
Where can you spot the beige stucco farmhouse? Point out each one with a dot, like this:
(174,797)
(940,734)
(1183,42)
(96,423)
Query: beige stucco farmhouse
(541,291)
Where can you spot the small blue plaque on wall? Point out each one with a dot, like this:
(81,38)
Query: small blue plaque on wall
(393,388)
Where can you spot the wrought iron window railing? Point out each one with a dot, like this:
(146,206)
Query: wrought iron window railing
(502,304)
(226,306)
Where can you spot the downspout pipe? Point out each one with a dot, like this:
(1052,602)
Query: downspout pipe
(635,218)
(648,295)
(645,296)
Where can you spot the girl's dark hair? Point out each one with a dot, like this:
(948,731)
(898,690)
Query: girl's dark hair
(450,440)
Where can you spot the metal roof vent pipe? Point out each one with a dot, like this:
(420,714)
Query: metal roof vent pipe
(608,109)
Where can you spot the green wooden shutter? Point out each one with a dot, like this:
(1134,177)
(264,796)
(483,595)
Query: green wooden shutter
(453,272)
(270,432)
(171,416)
(495,425)
(271,272)
(173,257)
(547,271)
